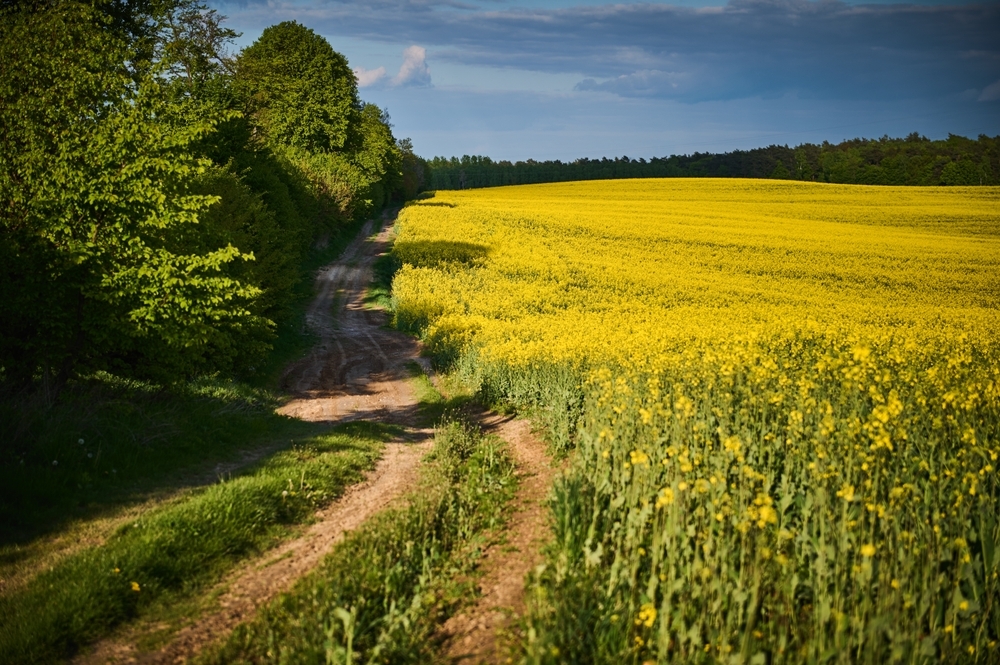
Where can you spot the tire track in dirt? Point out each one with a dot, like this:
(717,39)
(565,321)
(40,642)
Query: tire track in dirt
(480,633)
(356,370)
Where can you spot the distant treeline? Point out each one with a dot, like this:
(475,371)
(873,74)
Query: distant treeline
(914,160)
(159,194)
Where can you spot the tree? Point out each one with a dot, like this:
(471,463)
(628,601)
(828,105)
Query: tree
(95,187)
(298,91)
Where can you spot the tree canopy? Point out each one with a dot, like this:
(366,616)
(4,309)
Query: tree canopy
(157,195)
(914,160)
(299,92)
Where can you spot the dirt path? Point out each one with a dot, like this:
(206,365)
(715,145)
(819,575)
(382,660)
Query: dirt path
(357,370)
(477,635)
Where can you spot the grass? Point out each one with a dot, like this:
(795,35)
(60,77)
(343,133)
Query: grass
(380,292)
(177,549)
(110,443)
(125,475)
(383,591)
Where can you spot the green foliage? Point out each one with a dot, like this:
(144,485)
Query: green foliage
(241,218)
(95,174)
(299,92)
(180,547)
(914,160)
(415,171)
(122,248)
(379,596)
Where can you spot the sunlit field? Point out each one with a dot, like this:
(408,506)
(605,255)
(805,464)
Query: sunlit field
(783,402)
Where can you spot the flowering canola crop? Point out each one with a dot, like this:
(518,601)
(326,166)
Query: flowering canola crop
(784,399)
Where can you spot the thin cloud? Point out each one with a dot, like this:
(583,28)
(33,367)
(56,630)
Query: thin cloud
(990,93)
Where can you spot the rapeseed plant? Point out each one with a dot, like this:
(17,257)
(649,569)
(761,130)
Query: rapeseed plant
(784,399)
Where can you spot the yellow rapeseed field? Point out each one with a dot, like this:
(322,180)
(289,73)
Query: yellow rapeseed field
(784,400)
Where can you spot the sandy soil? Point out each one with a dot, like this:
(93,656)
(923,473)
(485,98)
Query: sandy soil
(357,370)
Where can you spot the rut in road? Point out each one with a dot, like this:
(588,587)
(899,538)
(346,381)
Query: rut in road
(357,370)
(481,632)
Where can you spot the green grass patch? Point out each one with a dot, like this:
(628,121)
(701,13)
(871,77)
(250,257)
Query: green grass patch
(109,443)
(380,595)
(179,548)
(380,291)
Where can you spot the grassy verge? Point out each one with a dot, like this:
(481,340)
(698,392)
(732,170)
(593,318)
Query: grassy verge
(109,443)
(380,595)
(120,476)
(178,548)
(380,292)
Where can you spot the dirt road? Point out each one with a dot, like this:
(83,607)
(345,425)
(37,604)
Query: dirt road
(481,632)
(357,370)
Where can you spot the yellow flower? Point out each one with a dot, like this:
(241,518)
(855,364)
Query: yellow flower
(868,550)
(766,515)
(647,615)
(135,586)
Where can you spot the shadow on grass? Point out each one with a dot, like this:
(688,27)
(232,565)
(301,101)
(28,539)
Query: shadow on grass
(108,444)
(379,292)
(176,549)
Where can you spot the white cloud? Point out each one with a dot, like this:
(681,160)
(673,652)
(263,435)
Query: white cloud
(990,93)
(414,70)
(369,77)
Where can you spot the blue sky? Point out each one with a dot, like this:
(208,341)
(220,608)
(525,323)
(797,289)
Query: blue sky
(561,79)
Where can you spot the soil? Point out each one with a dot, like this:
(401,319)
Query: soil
(483,632)
(358,370)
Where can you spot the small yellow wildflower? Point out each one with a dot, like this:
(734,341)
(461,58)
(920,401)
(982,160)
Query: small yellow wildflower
(868,550)
(638,457)
(647,615)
